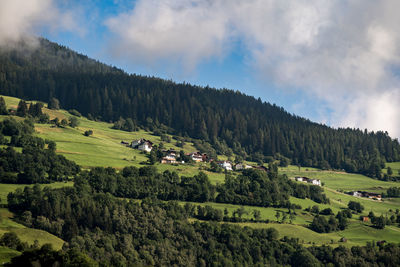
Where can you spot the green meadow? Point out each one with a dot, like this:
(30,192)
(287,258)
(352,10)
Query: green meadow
(340,180)
(104,147)
(29,235)
(7,254)
(395,167)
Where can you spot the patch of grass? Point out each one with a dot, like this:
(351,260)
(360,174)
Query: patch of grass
(6,254)
(395,167)
(29,235)
(361,233)
(305,235)
(340,180)
(104,147)
(11,102)
(370,205)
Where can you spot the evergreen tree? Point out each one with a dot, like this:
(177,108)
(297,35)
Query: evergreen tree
(22,109)
(54,103)
(3,107)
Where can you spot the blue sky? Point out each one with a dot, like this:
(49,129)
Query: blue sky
(334,62)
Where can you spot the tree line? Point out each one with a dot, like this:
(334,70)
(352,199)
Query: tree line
(252,187)
(117,232)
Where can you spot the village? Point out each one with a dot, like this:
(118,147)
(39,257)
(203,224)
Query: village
(171,156)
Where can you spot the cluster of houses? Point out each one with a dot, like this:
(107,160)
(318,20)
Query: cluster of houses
(366,195)
(308,180)
(171,156)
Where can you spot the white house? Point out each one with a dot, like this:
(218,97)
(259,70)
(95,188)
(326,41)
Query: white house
(242,166)
(226,165)
(142,144)
(299,179)
(196,156)
(308,180)
(315,182)
(146,146)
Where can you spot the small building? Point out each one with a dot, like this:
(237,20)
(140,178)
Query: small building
(308,180)
(365,219)
(168,160)
(365,194)
(146,146)
(225,165)
(170,157)
(263,168)
(142,144)
(372,195)
(242,166)
(196,156)
(315,182)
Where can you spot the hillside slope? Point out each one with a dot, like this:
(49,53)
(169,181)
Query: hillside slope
(229,120)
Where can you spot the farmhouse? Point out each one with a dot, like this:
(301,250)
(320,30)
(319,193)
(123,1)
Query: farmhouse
(170,157)
(142,144)
(366,194)
(263,168)
(372,195)
(242,166)
(198,157)
(225,165)
(308,180)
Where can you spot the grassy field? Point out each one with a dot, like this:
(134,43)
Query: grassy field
(395,167)
(103,148)
(340,180)
(357,234)
(26,234)
(7,254)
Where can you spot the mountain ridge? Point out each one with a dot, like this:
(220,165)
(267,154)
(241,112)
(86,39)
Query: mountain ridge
(230,121)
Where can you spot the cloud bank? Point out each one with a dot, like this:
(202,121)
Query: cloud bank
(344,54)
(23,18)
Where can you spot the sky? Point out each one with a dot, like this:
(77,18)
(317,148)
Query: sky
(335,62)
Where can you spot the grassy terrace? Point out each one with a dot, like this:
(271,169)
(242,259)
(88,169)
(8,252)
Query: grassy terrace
(340,180)
(24,233)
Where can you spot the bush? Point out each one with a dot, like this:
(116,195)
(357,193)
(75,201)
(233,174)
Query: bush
(54,103)
(327,211)
(356,206)
(88,133)
(73,122)
(75,112)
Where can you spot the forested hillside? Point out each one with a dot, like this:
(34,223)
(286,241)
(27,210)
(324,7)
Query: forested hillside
(229,120)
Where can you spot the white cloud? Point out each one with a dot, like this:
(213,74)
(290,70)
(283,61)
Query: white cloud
(345,54)
(23,18)
(185,31)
